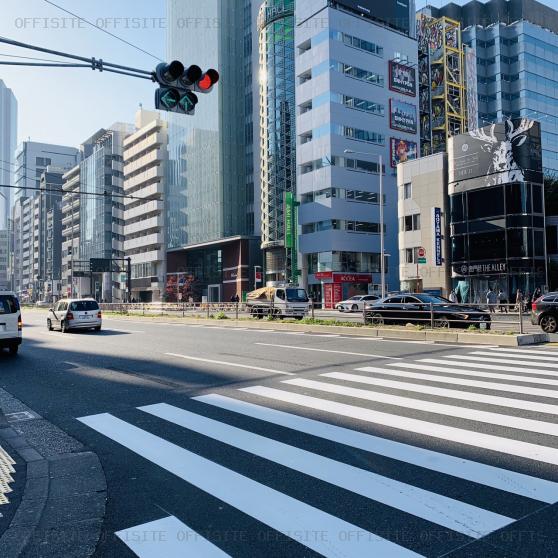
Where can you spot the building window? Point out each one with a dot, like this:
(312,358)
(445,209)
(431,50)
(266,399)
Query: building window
(361,44)
(411,255)
(410,223)
(407,191)
(364,135)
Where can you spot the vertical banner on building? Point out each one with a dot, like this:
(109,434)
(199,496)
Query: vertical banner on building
(472,94)
(290,234)
(437,236)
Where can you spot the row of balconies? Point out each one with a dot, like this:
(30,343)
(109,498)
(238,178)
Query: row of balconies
(144,209)
(145,160)
(144,225)
(156,188)
(155,139)
(144,241)
(150,174)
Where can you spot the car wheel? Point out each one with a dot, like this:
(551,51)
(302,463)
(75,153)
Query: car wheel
(64,327)
(377,320)
(354,307)
(14,349)
(442,322)
(549,323)
(49,325)
(98,328)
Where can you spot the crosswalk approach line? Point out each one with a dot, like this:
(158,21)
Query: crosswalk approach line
(453,514)
(458,467)
(283,513)
(508,421)
(471,438)
(168,538)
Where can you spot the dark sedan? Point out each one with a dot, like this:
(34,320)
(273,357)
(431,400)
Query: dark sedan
(419,309)
(544,312)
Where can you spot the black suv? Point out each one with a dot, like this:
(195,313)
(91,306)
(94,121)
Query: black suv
(544,312)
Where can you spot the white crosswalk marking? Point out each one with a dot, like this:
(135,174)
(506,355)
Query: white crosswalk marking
(523,351)
(167,537)
(448,433)
(451,393)
(509,421)
(281,512)
(480,473)
(453,514)
(531,355)
(447,361)
(445,379)
(505,361)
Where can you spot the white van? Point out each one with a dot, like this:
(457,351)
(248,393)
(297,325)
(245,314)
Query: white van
(10,322)
(281,302)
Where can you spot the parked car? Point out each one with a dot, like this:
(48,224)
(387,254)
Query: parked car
(10,322)
(68,314)
(415,308)
(544,312)
(355,303)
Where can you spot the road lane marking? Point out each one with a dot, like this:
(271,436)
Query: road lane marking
(444,379)
(503,361)
(507,355)
(124,330)
(550,392)
(325,350)
(487,417)
(445,392)
(233,364)
(459,516)
(459,467)
(471,438)
(527,371)
(168,537)
(279,511)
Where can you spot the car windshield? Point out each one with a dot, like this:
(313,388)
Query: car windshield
(433,298)
(84,306)
(297,295)
(355,298)
(8,304)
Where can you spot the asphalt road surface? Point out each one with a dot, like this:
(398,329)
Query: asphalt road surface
(220,441)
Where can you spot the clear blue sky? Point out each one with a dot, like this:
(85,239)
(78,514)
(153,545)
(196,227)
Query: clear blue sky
(66,106)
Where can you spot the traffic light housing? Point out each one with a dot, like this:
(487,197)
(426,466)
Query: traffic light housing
(178,86)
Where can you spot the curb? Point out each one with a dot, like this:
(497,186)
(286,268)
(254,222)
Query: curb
(424,335)
(63,504)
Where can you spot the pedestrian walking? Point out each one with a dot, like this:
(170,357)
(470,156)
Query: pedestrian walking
(502,301)
(491,299)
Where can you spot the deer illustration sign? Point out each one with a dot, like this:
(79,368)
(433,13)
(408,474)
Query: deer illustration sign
(503,152)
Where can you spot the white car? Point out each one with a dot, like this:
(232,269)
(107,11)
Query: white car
(355,303)
(10,322)
(71,314)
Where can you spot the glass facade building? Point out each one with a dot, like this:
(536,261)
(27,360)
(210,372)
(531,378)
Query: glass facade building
(8,142)
(277,134)
(210,174)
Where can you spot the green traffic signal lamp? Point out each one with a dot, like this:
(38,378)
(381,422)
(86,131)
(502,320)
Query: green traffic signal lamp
(167,98)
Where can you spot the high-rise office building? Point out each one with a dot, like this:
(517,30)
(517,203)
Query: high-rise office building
(357,118)
(8,142)
(93,218)
(277,138)
(145,160)
(211,183)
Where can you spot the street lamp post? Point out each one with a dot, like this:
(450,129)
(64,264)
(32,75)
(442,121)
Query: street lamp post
(382,249)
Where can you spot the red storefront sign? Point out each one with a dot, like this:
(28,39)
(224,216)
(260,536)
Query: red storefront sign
(333,293)
(321,275)
(352,278)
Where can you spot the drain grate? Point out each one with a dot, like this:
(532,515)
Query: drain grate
(6,470)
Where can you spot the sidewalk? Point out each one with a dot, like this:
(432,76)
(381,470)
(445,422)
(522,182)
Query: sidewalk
(60,490)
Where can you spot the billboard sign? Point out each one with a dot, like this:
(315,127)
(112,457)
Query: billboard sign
(402,150)
(402,116)
(437,225)
(402,78)
(472,88)
(394,13)
(505,152)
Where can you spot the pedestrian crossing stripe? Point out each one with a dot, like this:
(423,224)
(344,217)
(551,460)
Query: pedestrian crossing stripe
(281,512)
(169,538)
(447,361)
(504,361)
(447,512)
(531,354)
(458,467)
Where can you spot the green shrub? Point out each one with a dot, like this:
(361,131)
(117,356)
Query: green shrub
(221,316)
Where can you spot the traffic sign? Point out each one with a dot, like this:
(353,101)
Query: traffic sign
(421,253)
(421,260)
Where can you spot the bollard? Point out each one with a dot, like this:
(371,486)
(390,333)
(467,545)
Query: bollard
(312,307)
(431,315)
(207,303)
(520,318)
(237,311)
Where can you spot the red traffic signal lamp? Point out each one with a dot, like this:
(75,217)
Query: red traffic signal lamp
(177,86)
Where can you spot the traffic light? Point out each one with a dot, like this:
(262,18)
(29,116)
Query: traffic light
(177,86)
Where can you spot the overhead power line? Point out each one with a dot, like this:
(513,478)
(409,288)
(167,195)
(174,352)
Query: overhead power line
(103,30)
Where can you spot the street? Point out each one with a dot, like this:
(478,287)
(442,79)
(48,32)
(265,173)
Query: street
(223,441)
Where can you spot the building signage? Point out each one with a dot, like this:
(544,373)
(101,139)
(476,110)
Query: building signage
(289,219)
(402,150)
(505,152)
(480,269)
(394,13)
(352,278)
(437,224)
(321,275)
(402,78)
(402,116)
